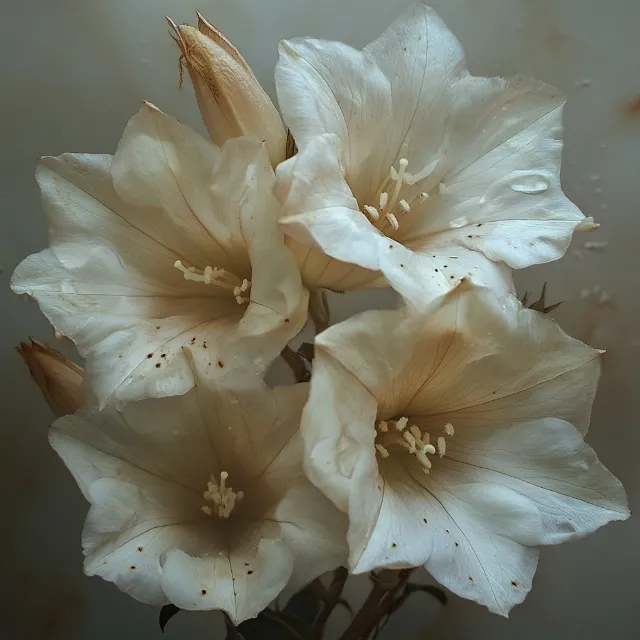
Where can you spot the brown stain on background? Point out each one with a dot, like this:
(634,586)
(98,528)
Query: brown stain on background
(632,108)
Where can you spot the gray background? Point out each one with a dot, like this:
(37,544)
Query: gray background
(74,71)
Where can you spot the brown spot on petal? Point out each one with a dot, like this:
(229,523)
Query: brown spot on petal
(632,108)
(149,355)
(457,545)
(158,365)
(139,549)
(203,592)
(287,320)
(470,578)
(220,364)
(514,583)
(424,520)
(394,545)
(250,572)
(132,567)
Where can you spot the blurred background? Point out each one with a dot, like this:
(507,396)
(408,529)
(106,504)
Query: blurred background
(73,72)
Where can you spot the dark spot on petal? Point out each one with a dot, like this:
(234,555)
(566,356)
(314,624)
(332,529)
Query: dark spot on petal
(402,266)
(132,567)
(246,564)
(204,345)
(158,365)
(390,246)
(469,236)
(203,592)
(193,340)
(444,266)
(164,355)
(447,530)
(451,277)
(457,545)
(250,572)
(149,355)
(139,549)
(220,364)
(424,520)
(436,271)
(514,583)
(394,545)
(479,224)
(287,320)
(158,327)
(470,578)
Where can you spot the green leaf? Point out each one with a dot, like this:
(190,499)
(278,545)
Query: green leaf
(166,613)
(269,625)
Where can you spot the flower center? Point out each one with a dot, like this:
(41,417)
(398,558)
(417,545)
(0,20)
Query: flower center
(219,277)
(224,498)
(390,207)
(394,434)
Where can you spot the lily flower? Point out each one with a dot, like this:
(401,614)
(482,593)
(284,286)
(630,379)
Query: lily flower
(454,440)
(414,173)
(172,242)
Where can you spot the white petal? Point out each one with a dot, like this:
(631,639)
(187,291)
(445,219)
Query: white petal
(166,171)
(548,462)
(241,581)
(312,184)
(339,456)
(504,364)
(330,88)
(502,174)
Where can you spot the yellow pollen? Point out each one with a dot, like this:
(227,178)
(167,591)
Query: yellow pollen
(219,277)
(411,440)
(223,498)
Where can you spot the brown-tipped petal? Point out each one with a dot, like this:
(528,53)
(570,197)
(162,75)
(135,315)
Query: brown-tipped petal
(59,379)
(231,101)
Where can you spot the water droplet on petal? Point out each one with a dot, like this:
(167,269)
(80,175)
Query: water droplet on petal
(530,183)
(462,221)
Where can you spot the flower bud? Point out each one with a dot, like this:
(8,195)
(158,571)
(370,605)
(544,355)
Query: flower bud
(59,379)
(231,101)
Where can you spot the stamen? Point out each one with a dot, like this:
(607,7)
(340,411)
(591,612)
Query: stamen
(411,440)
(405,206)
(223,497)
(392,220)
(398,177)
(442,188)
(372,212)
(382,451)
(384,200)
(219,277)
(423,197)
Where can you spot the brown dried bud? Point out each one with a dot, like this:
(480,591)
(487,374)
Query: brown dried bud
(59,379)
(231,101)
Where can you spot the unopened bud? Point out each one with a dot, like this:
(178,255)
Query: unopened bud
(59,379)
(231,101)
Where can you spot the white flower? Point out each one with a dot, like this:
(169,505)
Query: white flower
(412,169)
(200,500)
(449,440)
(170,242)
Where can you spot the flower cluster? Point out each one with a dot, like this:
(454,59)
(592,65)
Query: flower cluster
(447,433)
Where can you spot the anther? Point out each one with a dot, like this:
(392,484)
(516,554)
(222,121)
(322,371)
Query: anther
(448,429)
(382,451)
(401,424)
(392,220)
(384,200)
(442,446)
(372,212)
(405,206)
(410,440)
